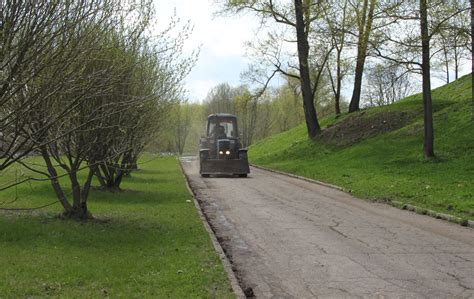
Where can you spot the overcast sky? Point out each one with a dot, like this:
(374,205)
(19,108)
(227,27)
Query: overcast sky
(222,40)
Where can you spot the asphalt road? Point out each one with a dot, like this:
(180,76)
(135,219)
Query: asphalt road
(289,238)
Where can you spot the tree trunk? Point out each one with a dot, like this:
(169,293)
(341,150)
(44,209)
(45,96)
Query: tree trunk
(311,117)
(100,178)
(79,211)
(355,100)
(427,103)
(338,83)
(446,64)
(118,179)
(107,174)
(76,188)
(364,34)
(54,180)
(87,184)
(472,55)
(456,62)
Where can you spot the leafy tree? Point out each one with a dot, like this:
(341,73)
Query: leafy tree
(219,100)
(412,50)
(287,110)
(365,18)
(238,101)
(371,18)
(246,107)
(338,21)
(181,115)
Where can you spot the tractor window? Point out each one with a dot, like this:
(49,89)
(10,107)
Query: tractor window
(222,128)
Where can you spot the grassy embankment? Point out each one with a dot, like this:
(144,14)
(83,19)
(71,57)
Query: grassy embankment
(145,242)
(377,153)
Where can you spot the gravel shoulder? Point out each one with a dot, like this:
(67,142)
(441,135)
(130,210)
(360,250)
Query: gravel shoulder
(287,237)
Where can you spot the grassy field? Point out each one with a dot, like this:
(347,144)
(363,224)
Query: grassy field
(358,153)
(145,242)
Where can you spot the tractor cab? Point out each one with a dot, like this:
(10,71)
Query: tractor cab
(220,150)
(224,126)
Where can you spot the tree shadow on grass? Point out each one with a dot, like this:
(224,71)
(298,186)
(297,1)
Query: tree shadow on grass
(149,179)
(132,197)
(43,194)
(149,201)
(148,171)
(105,233)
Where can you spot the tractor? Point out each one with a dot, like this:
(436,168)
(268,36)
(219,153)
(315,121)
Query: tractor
(221,152)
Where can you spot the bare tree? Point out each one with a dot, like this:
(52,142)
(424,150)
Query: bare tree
(116,90)
(152,85)
(453,42)
(387,83)
(36,36)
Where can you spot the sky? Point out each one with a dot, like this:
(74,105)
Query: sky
(222,41)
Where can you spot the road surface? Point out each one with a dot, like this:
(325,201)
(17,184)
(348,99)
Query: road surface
(289,238)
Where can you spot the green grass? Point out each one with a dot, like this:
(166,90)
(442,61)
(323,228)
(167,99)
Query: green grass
(391,166)
(145,242)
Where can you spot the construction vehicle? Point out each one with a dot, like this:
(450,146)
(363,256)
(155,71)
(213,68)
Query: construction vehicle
(221,152)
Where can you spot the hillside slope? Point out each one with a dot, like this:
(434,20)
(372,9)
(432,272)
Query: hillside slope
(377,153)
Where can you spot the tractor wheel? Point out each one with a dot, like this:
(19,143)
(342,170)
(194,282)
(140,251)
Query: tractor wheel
(242,175)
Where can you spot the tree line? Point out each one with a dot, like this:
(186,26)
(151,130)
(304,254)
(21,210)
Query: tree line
(315,46)
(276,110)
(85,85)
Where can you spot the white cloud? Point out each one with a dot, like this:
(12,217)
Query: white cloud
(200,88)
(222,41)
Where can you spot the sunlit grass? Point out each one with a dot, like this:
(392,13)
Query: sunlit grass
(391,166)
(147,241)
